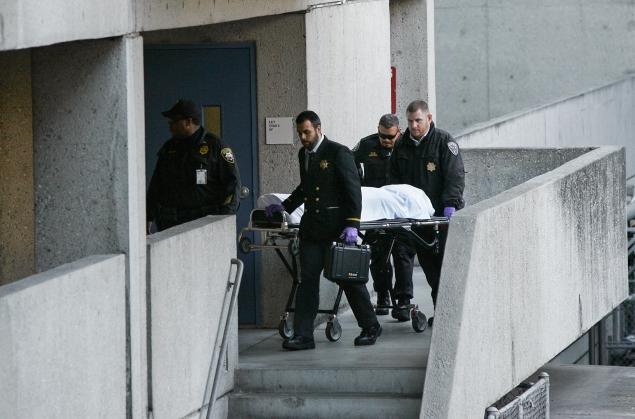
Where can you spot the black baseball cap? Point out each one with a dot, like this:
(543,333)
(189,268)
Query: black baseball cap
(183,109)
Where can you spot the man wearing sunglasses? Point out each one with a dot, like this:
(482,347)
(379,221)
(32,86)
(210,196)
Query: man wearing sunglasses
(372,157)
(196,172)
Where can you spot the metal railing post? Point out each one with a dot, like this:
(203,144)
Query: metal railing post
(211,386)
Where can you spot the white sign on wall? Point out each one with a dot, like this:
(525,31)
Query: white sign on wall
(279,130)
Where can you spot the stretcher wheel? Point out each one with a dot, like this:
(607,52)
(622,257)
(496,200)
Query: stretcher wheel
(285,329)
(333,330)
(419,321)
(244,245)
(294,247)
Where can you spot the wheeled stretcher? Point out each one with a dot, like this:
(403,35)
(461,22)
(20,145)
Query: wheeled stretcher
(281,235)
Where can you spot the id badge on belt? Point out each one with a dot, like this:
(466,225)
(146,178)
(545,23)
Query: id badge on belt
(201,176)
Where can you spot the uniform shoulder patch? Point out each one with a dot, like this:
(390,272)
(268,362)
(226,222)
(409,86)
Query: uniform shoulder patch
(454,147)
(227,154)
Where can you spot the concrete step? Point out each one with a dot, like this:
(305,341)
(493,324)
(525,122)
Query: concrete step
(322,405)
(407,382)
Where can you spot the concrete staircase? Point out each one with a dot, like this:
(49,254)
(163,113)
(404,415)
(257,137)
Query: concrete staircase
(338,392)
(336,379)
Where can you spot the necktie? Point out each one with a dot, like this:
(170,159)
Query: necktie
(307,161)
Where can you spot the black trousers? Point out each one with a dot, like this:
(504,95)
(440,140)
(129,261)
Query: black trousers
(382,247)
(380,263)
(307,299)
(403,254)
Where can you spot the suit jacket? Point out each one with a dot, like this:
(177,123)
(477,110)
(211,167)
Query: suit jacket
(330,191)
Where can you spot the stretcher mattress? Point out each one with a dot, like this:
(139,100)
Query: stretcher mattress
(387,202)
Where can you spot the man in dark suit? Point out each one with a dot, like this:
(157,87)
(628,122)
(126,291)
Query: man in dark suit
(331,193)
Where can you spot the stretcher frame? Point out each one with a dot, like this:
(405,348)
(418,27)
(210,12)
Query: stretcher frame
(282,235)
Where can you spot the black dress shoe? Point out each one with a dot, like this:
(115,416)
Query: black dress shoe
(383,299)
(430,321)
(402,311)
(298,343)
(368,336)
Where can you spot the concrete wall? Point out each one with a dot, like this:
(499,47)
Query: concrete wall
(348,68)
(17,249)
(602,116)
(63,345)
(187,279)
(490,171)
(495,57)
(541,263)
(412,52)
(79,131)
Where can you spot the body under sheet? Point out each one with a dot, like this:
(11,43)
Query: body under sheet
(387,202)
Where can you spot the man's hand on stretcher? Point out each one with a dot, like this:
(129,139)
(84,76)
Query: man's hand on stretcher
(272,209)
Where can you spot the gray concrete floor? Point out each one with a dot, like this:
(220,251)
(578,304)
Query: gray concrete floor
(591,392)
(399,345)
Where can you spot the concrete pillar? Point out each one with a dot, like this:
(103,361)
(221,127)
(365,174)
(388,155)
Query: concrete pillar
(412,52)
(89,170)
(348,75)
(17,258)
(348,67)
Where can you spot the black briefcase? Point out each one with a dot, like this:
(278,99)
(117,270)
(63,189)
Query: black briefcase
(347,263)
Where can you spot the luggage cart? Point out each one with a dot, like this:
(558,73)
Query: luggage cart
(280,235)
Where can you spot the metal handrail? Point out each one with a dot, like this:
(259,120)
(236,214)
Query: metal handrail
(212,377)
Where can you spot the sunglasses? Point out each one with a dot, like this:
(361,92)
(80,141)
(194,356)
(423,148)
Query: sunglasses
(387,136)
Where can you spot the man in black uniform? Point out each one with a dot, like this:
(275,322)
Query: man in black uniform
(196,173)
(331,193)
(372,156)
(429,159)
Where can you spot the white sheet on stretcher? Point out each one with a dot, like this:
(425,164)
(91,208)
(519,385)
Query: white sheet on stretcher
(387,202)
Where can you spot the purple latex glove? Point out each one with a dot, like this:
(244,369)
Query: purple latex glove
(449,212)
(272,209)
(349,235)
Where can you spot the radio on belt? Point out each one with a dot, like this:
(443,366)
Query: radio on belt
(348,264)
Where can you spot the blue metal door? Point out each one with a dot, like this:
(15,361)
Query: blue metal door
(220,78)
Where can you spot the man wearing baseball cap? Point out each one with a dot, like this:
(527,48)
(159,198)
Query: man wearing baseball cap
(196,172)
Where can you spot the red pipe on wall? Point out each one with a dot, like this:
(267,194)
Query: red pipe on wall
(393,89)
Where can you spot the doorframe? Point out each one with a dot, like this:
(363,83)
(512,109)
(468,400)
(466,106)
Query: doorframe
(251,47)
